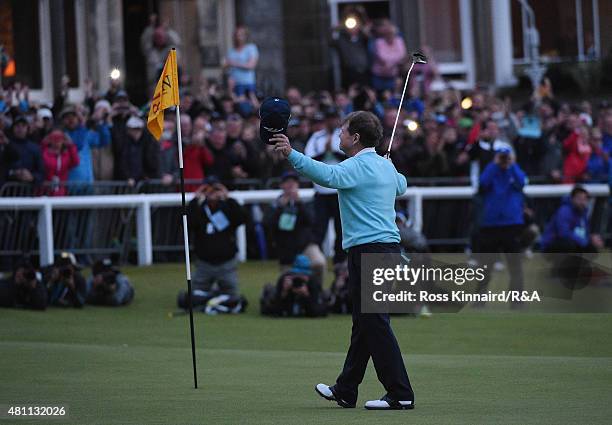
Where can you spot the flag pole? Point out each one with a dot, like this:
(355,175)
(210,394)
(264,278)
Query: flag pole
(179,141)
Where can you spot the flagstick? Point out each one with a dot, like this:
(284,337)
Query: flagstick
(186,241)
(399,110)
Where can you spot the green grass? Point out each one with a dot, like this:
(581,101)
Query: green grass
(133,365)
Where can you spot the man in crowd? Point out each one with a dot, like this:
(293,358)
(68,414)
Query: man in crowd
(28,167)
(108,286)
(324,146)
(136,153)
(23,289)
(568,231)
(213,220)
(501,186)
(296,293)
(290,224)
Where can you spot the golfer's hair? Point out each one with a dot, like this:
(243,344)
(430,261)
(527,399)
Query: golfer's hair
(367,125)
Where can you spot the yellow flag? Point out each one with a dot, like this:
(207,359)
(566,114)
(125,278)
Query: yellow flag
(166,95)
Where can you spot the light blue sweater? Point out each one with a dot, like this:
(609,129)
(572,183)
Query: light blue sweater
(367,186)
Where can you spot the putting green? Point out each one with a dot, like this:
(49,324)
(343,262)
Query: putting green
(133,365)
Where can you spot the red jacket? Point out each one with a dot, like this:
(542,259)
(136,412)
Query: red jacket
(195,159)
(577,152)
(57,166)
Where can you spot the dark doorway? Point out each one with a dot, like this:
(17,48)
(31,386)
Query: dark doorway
(135,20)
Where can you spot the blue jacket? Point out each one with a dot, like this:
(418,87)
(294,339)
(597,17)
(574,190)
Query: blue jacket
(84,140)
(367,187)
(567,223)
(502,193)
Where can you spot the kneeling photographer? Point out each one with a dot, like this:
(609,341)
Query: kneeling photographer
(108,286)
(23,289)
(296,293)
(65,283)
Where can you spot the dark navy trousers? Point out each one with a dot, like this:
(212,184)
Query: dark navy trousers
(371,336)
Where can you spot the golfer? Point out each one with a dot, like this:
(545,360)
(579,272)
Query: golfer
(367,186)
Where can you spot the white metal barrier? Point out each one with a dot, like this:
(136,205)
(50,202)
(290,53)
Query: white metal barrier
(143,203)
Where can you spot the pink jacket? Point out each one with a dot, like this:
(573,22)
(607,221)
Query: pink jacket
(57,166)
(388,57)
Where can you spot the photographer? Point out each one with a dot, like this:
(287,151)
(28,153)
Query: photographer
(23,289)
(66,285)
(213,219)
(291,226)
(296,293)
(108,286)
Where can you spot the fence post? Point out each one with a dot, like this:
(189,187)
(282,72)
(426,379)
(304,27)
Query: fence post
(241,238)
(45,234)
(416,211)
(143,231)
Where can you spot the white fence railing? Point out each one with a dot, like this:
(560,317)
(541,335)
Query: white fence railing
(143,203)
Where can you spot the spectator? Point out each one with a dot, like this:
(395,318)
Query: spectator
(59,157)
(43,125)
(296,294)
(196,155)
(389,53)
(66,284)
(136,154)
(291,226)
(501,185)
(568,230)
(352,47)
(597,166)
(23,289)
(155,42)
(577,153)
(434,161)
(324,146)
(84,140)
(241,62)
(168,156)
(606,127)
(102,156)
(484,151)
(108,286)
(28,168)
(8,156)
(222,158)
(213,220)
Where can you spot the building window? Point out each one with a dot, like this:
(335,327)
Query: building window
(441,29)
(579,38)
(19,36)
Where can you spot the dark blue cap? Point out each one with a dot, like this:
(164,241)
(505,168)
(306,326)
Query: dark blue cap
(274,114)
(290,175)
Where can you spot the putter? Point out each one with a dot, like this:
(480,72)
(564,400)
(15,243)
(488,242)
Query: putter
(417,57)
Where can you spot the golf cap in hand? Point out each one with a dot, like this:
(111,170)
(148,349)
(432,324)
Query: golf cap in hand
(274,114)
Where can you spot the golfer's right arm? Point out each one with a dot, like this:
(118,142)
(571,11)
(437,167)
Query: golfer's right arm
(339,176)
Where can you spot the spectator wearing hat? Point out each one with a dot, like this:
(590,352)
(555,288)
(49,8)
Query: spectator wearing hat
(28,168)
(324,146)
(108,286)
(84,140)
(59,157)
(136,154)
(213,220)
(501,222)
(24,289)
(290,224)
(297,294)
(241,62)
(43,124)
(65,283)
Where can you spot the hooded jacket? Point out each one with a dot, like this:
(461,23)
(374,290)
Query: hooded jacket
(502,192)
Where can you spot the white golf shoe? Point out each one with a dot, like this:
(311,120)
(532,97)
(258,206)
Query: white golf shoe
(386,403)
(327,393)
